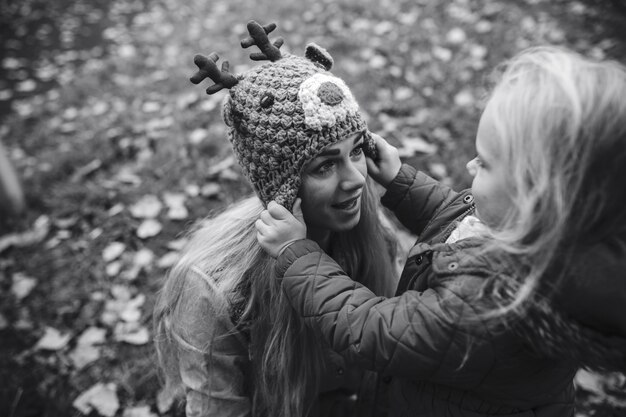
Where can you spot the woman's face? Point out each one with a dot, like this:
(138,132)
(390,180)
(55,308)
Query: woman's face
(491,188)
(332,186)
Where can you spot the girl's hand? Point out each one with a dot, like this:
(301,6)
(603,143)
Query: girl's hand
(277,228)
(388,164)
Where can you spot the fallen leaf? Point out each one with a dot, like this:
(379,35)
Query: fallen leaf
(229,174)
(131,311)
(378,62)
(176,205)
(101,397)
(86,170)
(113,251)
(70,113)
(442,54)
(177,244)
(38,233)
(165,400)
(131,333)
(403,93)
(438,170)
(83,355)
(159,123)
(456,36)
(26,86)
(464,98)
(95,233)
(121,301)
(121,292)
(99,108)
(92,336)
(66,222)
(209,104)
(483,26)
(178,213)
(24,109)
(148,207)
(116,209)
(149,228)
(22,285)
(221,166)
(6,95)
(197,136)
(4,323)
(143,258)
(168,260)
(151,106)
(52,340)
(412,146)
(139,411)
(113,269)
(210,189)
(192,190)
(11,63)
(125,176)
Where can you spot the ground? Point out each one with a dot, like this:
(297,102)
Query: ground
(118,154)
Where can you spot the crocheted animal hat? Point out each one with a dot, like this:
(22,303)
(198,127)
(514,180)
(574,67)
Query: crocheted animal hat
(282,114)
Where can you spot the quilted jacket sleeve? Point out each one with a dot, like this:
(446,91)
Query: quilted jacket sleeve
(415,197)
(416,335)
(214,384)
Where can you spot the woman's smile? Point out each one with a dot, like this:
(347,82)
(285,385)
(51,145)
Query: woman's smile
(349,205)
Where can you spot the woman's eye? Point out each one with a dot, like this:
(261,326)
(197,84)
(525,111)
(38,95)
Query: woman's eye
(325,167)
(357,151)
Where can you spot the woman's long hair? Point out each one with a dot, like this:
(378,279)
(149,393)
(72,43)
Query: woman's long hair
(285,354)
(561,125)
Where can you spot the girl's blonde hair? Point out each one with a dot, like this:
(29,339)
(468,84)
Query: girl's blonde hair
(286,354)
(561,123)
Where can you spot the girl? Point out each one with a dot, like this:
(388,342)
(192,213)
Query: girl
(225,334)
(479,325)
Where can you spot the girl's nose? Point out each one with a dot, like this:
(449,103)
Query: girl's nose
(471,167)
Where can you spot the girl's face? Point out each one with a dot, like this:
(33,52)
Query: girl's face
(332,185)
(491,188)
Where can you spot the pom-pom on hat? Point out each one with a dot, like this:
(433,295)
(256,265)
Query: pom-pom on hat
(282,114)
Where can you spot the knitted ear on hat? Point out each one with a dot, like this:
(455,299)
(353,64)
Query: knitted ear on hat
(319,55)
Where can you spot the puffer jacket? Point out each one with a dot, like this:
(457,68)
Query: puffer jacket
(224,388)
(444,359)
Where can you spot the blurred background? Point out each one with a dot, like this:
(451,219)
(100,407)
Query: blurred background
(117,153)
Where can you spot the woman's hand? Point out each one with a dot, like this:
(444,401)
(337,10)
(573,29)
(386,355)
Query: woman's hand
(388,164)
(277,228)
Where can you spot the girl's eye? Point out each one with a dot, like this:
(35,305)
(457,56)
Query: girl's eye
(478,161)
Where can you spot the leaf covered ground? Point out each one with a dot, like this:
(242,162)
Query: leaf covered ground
(119,153)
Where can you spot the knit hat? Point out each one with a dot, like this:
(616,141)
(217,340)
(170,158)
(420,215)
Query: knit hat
(282,114)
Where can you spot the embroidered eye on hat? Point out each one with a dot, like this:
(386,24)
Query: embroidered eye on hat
(282,114)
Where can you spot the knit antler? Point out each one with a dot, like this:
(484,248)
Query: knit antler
(258,37)
(208,68)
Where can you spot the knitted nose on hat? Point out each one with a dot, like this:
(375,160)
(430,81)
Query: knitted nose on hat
(327,102)
(329,93)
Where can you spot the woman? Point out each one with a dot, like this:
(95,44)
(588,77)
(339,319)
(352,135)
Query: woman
(224,332)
